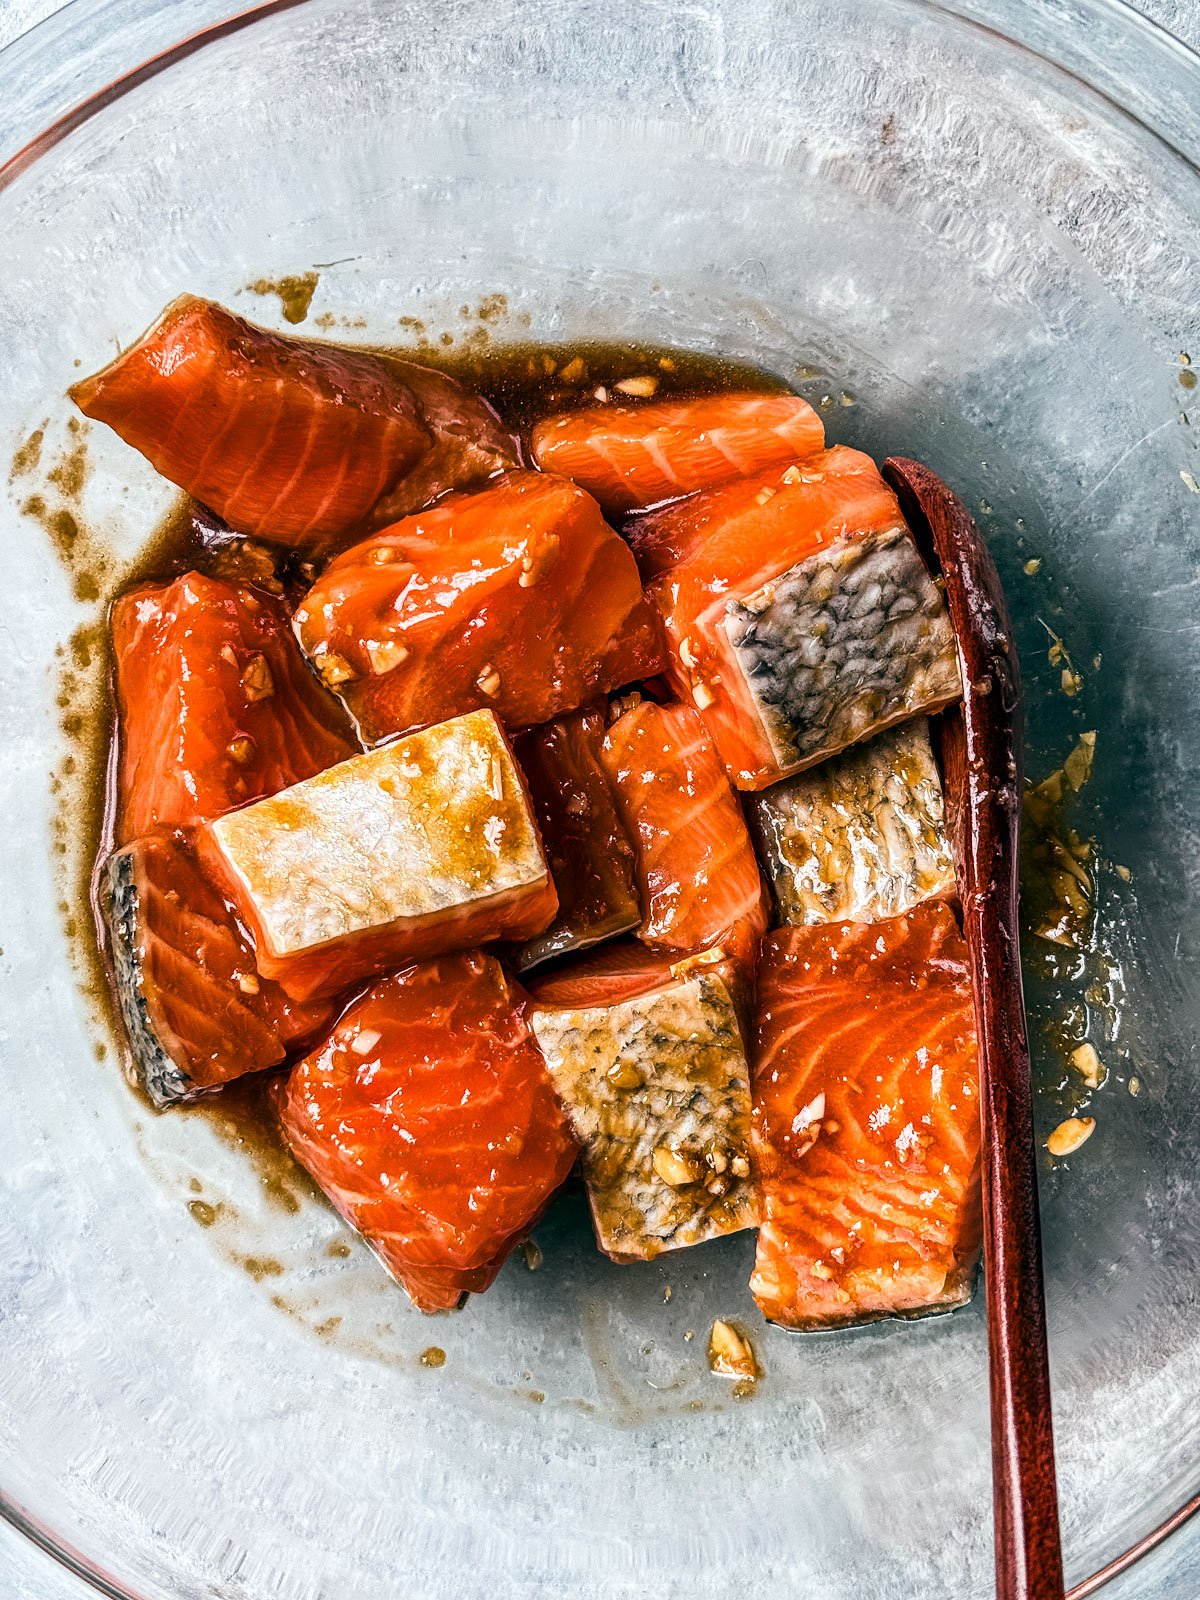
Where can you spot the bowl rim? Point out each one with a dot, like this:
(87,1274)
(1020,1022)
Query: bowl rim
(965,12)
(82,112)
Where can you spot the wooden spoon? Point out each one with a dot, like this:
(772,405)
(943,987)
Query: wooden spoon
(983,749)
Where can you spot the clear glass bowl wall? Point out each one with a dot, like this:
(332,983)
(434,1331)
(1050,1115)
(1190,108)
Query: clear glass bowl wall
(997,265)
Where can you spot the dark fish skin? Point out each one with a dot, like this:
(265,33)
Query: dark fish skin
(772,589)
(163,1079)
(860,837)
(196,1014)
(590,854)
(846,642)
(654,1083)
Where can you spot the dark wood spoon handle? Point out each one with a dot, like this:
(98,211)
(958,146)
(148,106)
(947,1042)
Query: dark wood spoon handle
(983,750)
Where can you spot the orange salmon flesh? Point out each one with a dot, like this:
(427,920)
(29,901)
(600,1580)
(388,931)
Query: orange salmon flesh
(428,1119)
(518,598)
(629,455)
(866,1120)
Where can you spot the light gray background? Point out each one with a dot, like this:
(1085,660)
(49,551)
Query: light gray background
(1172,1573)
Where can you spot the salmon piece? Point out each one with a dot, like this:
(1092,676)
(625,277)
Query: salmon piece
(470,443)
(520,598)
(284,438)
(698,874)
(216,704)
(799,613)
(860,838)
(866,1121)
(428,1119)
(654,1081)
(731,534)
(631,456)
(196,1012)
(602,977)
(422,846)
(591,858)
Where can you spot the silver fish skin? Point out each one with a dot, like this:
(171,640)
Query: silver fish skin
(657,1092)
(164,1080)
(862,836)
(562,942)
(847,642)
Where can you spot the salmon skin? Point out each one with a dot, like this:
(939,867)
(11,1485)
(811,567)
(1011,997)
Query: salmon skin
(635,456)
(425,845)
(591,858)
(284,438)
(696,865)
(196,1012)
(799,613)
(469,443)
(428,1119)
(862,836)
(654,1082)
(519,598)
(866,1121)
(216,704)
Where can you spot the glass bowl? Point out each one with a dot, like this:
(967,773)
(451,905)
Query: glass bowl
(969,234)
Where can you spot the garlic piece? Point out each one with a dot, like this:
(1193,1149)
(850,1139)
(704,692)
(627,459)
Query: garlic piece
(730,1354)
(1069,1135)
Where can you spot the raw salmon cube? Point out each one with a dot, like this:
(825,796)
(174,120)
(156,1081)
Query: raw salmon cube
(216,704)
(648,1061)
(866,1121)
(519,598)
(861,837)
(591,858)
(696,864)
(630,456)
(285,438)
(428,1119)
(799,613)
(196,1012)
(425,845)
